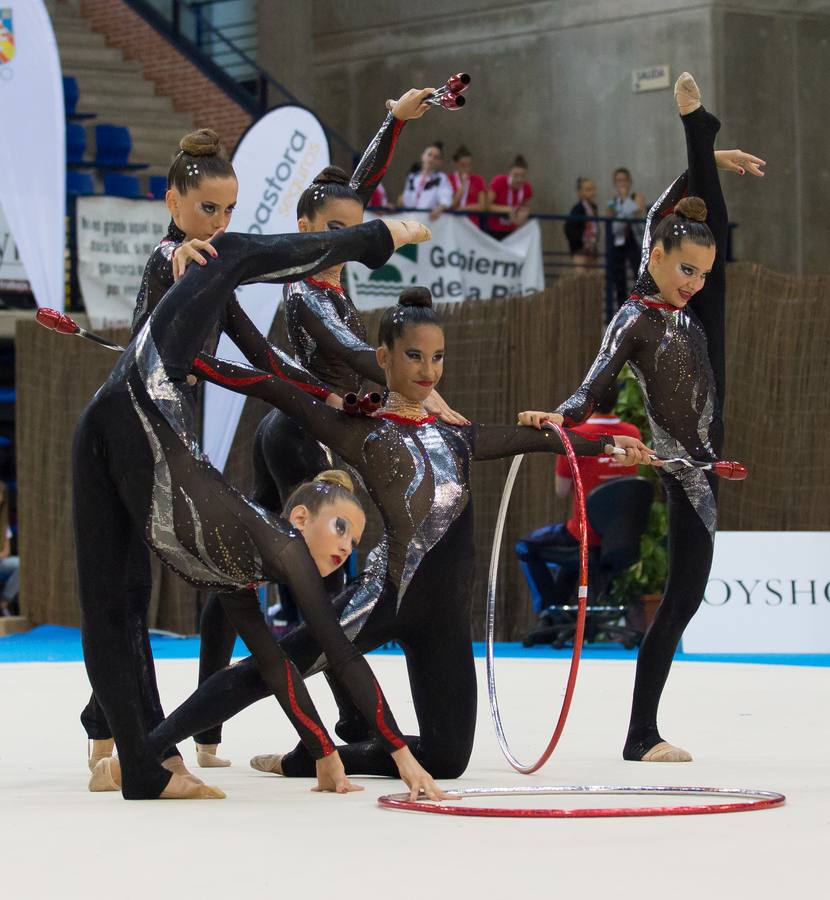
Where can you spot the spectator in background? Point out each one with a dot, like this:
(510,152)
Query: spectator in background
(558,588)
(628,237)
(427,187)
(469,189)
(510,196)
(379,199)
(9,565)
(583,237)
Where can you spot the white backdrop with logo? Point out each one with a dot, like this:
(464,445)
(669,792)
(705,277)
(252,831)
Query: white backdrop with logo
(33,144)
(768,592)
(115,238)
(460,262)
(275,161)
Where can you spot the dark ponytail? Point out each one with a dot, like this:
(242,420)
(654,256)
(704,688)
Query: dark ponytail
(414,307)
(686,222)
(331,183)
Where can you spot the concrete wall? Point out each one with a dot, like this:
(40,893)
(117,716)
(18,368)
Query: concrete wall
(552,80)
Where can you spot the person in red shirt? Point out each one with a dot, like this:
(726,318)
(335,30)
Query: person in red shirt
(551,588)
(469,189)
(509,195)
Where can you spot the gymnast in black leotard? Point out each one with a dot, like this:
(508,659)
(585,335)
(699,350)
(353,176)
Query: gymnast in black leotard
(201,196)
(417,588)
(137,468)
(323,331)
(671,333)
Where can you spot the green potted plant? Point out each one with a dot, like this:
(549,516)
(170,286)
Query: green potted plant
(641,586)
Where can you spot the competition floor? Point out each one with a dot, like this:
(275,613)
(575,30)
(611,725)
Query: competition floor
(748,725)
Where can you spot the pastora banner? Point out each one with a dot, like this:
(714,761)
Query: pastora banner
(768,592)
(461,262)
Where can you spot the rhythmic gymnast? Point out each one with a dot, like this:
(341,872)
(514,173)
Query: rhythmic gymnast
(138,469)
(671,332)
(201,196)
(417,587)
(324,332)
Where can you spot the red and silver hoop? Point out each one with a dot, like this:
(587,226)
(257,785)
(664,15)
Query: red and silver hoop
(742,801)
(492,580)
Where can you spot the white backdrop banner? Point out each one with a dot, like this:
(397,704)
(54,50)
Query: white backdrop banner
(275,161)
(12,273)
(460,262)
(115,238)
(33,144)
(768,592)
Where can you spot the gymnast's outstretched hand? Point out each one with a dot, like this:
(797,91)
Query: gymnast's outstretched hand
(411,105)
(406,231)
(536,418)
(331,776)
(740,162)
(436,405)
(416,777)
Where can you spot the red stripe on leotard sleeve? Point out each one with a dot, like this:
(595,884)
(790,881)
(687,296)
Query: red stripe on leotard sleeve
(396,133)
(276,368)
(325,744)
(380,721)
(229,380)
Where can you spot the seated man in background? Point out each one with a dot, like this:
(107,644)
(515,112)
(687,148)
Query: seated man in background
(558,588)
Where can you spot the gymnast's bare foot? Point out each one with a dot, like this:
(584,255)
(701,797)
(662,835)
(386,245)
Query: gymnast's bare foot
(207,759)
(175,764)
(107,777)
(100,750)
(686,94)
(268,762)
(666,752)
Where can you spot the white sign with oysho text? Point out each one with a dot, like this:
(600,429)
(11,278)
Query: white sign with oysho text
(768,592)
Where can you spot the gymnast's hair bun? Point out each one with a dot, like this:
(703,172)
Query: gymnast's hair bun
(204,142)
(337,476)
(332,175)
(691,208)
(415,296)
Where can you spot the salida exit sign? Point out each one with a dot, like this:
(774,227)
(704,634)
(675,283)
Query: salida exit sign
(650,78)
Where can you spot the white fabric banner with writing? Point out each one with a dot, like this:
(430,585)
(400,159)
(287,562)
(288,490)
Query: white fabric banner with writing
(33,145)
(115,238)
(768,592)
(12,273)
(460,262)
(275,161)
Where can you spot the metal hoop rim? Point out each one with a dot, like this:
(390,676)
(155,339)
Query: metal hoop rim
(748,800)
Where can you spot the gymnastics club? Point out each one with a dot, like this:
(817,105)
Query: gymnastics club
(63,324)
(730,470)
(367,404)
(455,84)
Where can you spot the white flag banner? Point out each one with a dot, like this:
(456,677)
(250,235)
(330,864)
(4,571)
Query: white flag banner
(33,145)
(461,262)
(768,592)
(275,161)
(12,274)
(115,238)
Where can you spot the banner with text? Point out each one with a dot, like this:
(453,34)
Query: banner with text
(275,160)
(461,262)
(115,239)
(12,273)
(768,592)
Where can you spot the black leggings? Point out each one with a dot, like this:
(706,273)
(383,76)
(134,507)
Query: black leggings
(690,545)
(294,457)
(432,626)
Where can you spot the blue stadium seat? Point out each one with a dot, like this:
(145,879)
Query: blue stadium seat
(118,185)
(79,184)
(75,142)
(158,186)
(112,145)
(71,92)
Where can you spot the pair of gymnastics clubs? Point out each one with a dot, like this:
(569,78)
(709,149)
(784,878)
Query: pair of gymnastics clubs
(723,468)
(367,404)
(448,96)
(63,324)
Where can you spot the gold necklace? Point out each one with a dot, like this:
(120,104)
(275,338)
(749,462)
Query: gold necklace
(402,406)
